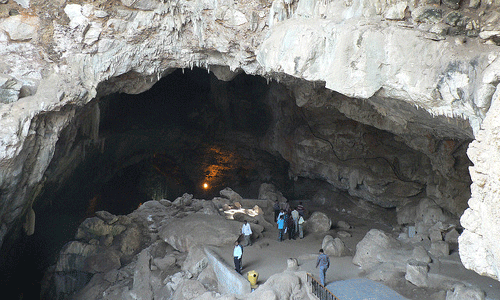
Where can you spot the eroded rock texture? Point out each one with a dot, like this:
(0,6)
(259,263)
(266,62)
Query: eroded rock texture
(403,85)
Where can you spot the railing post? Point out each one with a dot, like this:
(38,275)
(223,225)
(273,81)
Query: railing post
(319,290)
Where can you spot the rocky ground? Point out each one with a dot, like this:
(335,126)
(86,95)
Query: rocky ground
(267,256)
(156,252)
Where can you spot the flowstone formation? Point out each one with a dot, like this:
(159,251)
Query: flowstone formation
(424,73)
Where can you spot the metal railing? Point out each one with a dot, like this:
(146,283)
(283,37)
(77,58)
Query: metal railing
(320,290)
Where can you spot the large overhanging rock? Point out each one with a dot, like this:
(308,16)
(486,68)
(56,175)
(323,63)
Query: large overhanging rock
(57,57)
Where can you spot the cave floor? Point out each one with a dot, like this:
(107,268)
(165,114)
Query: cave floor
(267,256)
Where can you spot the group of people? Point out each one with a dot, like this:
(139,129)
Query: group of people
(289,220)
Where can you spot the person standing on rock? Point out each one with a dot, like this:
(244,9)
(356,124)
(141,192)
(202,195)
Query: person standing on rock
(237,254)
(246,230)
(324,263)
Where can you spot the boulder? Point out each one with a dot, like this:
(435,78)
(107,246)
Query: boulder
(141,288)
(326,240)
(102,262)
(165,262)
(208,208)
(129,242)
(95,227)
(189,289)
(334,246)
(343,225)
(343,234)
(198,229)
(263,222)
(196,261)
(436,235)
(231,195)
(452,236)
(175,280)
(292,264)
(107,217)
(425,211)
(208,278)
(160,249)
(221,202)
(286,285)
(318,222)
(268,191)
(240,217)
(463,292)
(165,202)
(184,200)
(417,273)
(21,27)
(73,255)
(440,248)
(378,248)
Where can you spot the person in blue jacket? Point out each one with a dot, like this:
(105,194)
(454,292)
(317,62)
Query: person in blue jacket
(281,228)
(324,263)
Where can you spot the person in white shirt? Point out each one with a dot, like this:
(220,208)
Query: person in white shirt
(246,230)
(237,254)
(281,214)
(301,227)
(295,217)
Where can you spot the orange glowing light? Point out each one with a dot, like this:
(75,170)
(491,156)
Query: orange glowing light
(205,185)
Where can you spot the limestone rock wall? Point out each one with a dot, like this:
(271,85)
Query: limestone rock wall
(349,144)
(441,58)
(479,249)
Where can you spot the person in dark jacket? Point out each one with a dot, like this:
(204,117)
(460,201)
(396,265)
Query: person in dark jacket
(276,208)
(290,225)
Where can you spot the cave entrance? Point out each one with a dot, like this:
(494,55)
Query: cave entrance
(190,129)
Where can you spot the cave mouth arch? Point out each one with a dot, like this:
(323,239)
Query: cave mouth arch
(191,128)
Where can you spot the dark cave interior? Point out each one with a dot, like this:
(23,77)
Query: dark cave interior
(171,140)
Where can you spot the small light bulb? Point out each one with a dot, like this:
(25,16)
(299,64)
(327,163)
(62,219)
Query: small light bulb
(205,185)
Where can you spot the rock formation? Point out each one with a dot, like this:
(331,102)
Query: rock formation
(379,99)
